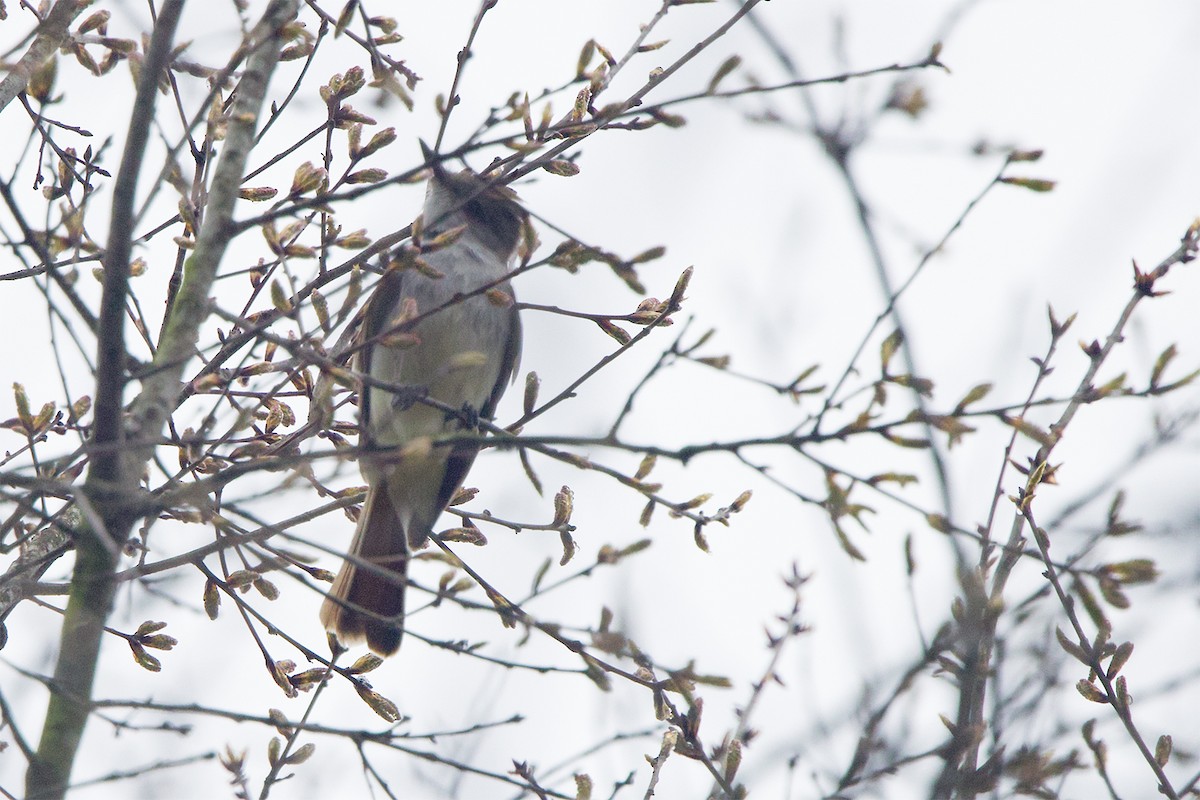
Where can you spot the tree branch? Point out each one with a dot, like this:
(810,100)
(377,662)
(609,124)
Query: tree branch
(51,35)
(97,545)
(113,474)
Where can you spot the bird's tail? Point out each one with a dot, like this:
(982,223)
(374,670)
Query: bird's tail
(367,598)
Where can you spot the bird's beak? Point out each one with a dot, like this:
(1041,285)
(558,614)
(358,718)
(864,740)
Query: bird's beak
(432,160)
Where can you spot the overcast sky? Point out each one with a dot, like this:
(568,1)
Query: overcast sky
(1108,90)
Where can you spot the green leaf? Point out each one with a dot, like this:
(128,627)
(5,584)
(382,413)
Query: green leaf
(561,167)
(1032,184)
(977,393)
(1162,750)
(727,66)
(1091,692)
(1119,659)
(889,347)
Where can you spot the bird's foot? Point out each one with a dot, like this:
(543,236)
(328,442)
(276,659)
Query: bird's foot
(405,397)
(468,415)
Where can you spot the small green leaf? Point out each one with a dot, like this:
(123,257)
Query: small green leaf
(378,703)
(1090,692)
(585,57)
(583,787)
(1160,365)
(561,167)
(302,754)
(1119,659)
(976,394)
(727,66)
(1025,155)
(1162,750)
(1032,184)
(1072,648)
(144,659)
(889,347)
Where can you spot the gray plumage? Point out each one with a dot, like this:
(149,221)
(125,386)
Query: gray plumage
(463,355)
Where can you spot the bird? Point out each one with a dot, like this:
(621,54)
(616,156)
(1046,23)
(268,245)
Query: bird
(463,351)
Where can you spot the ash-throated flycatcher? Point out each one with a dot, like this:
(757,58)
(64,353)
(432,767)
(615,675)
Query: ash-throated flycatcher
(463,355)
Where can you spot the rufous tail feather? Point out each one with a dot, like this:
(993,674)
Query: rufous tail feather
(368,603)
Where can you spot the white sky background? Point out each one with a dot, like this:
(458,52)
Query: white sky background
(1106,89)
